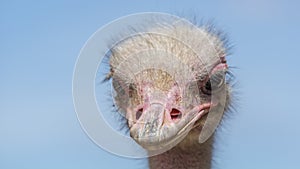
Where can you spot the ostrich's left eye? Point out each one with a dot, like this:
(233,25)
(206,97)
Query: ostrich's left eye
(214,82)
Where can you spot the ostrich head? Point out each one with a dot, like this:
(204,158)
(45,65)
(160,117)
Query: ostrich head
(166,82)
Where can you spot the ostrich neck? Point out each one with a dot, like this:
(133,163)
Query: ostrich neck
(184,155)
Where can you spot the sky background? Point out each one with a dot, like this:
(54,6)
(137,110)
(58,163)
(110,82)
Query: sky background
(39,45)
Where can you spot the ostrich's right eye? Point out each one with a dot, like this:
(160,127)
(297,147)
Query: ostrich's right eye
(215,82)
(206,88)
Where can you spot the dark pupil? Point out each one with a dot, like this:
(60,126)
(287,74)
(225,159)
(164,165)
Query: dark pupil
(208,85)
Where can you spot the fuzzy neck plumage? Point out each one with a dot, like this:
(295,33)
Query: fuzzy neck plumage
(186,155)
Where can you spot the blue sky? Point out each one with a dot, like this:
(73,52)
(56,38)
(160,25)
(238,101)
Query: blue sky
(40,42)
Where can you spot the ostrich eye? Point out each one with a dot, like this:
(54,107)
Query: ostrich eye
(208,85)
(214,82)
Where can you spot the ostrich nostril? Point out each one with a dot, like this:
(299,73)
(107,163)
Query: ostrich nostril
(139,113)
(175,114)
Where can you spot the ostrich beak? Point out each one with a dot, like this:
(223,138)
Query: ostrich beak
(154,129)
(151,121)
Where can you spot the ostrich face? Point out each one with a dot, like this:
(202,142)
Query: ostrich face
(161,112)
(166,83)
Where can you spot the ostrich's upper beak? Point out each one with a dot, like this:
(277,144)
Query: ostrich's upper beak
(155,130)
(150,122)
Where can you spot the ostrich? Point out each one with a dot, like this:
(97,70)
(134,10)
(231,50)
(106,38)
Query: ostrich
(164,80)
